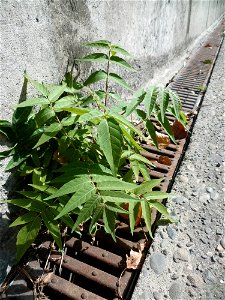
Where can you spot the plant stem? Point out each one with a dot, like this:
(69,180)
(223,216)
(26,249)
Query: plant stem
(107,80)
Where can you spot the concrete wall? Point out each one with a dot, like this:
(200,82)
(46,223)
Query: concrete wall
(42,35)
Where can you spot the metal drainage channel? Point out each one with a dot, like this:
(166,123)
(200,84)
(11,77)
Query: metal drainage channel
(91,270)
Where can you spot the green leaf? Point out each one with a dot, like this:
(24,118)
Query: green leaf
(26,218)
(109,222)
(99,44)
(161,208)
(156,195)
(95,57)
(150,100)
(49,190)
(92,115)
(15,162)
(130,139)
(49,132)
(95,77)
(133,214)
(121,120)
(56,93)
(110,142)
(120,50)
(146,212)
(33,101)
(118,185)
(146,186)
(135,167)
(120,61)
(116,196)
(81,196)
(66,101)
(151,130)
(166,126)
(68,121)
(115,96)
(71,187)
(40,87)
(29,204)
(96,216)
(87,210)
(44,115)
(138,98)
(7,153)
(6,129)
(76,110)
(119,80)
(144,171)
(164,101)
(141,114)
(67,220)
(26,236)
(52,226)
(140,158)
(176,103)
(115,208)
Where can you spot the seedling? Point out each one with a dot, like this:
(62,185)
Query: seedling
(73,151)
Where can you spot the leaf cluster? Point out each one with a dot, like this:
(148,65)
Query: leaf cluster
(80,160)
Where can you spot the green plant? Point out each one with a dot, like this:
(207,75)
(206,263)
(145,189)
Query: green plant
(207,61)
(202,88)
(80,159)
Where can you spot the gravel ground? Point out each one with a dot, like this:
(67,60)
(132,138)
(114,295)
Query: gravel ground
(187,259)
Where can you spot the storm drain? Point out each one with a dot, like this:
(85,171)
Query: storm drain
(95,269)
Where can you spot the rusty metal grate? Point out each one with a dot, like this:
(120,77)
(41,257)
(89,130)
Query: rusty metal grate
(91,269)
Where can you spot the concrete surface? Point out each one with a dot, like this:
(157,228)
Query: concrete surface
(187,259)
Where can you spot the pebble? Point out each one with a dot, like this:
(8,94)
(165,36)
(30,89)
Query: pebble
(222,242)
(204,198)
(195,280)
(181,255)
(158,263)
(191,292)
(157,295)
(194,206)
(176,291)
(208,276)
(174,276)
(171,232)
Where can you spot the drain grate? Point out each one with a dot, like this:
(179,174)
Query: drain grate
(92,269)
